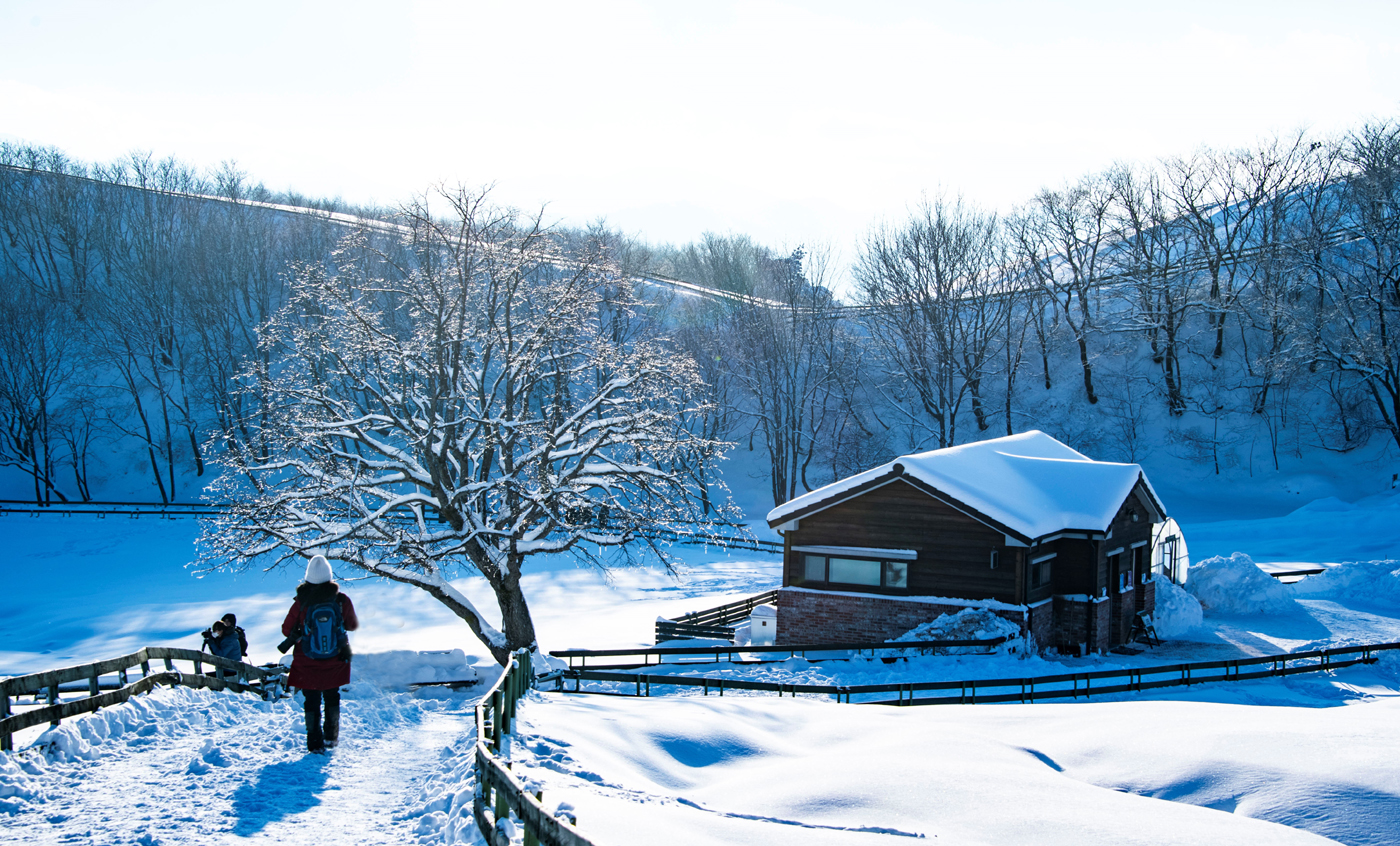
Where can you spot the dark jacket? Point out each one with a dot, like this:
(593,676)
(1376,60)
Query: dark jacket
(224,646)
(310,673)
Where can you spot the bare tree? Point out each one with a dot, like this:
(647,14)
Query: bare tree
(447,413)
(37,366)
(1152,258)
(935,297)
(1062,238)
(1361,336)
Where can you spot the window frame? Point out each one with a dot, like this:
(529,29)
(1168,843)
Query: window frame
(886,566)
(1041,565)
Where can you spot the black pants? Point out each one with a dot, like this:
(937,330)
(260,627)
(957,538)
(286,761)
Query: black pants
(319,735)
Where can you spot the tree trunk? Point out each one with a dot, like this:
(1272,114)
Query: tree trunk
(516,623)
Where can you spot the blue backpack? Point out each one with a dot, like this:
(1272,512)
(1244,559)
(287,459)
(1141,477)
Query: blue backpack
(323,633)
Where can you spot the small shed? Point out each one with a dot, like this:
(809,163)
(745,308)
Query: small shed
(1022,525)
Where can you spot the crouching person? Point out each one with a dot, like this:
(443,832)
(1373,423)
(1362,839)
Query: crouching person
(319,619)
(222,642)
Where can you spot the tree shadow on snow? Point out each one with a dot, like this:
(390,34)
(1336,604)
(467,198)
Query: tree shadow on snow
(278,791)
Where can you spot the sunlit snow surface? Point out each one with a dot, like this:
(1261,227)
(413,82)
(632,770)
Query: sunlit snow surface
(1260,762)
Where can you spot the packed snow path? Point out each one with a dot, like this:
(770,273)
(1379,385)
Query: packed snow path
(197,767)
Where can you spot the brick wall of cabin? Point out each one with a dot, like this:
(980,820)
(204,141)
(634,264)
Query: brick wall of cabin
(834,617)
(1103,632)
(1071,631)
(1127,612)
(1042,625)
(1147,596)
(954,549)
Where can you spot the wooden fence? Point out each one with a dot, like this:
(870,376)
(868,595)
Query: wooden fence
(712,622)
(711,654)
(1033,689)
(88,679)
(499,792)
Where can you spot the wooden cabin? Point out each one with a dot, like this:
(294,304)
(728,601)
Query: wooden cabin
(1023,525)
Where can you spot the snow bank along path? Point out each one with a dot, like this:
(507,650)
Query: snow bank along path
(184,766)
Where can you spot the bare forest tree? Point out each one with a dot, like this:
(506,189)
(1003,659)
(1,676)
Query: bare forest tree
(1062,239)
(457,404)
(39,353)
(1153,259)
(936,297)
(1362,334)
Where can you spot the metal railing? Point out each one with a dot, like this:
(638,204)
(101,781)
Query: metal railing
(87,678)
(792,650)
(1031,689)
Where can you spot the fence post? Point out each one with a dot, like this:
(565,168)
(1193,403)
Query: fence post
(496,719)
(6,744)
(502,809)
(53,699)
(531,837)
(92,683)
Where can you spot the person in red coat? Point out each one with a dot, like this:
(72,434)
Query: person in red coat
(319,679)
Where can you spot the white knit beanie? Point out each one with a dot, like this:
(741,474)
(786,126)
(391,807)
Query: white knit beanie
(318,570)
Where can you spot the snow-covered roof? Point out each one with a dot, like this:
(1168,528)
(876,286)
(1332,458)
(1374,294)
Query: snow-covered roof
(1029,483)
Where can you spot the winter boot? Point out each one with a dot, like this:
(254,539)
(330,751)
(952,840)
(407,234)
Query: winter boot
(315,740)
(331,733)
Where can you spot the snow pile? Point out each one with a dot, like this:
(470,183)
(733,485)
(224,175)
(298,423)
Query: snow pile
(1236,585)
(1368,582)
(968,624)
(1177,613)
(18,784)
(443,805)
(398,669)
(162,714)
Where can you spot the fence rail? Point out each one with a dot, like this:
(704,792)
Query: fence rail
(1032,689)
(52,683)
(712,622)
(112,509)
(794,650)
(498,792)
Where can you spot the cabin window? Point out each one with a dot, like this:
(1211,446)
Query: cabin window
(996,558)
(1138,553)
(1040,571)
(855,571)
(1115,566)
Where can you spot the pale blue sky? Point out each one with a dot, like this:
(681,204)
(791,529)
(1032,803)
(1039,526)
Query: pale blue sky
(793,122)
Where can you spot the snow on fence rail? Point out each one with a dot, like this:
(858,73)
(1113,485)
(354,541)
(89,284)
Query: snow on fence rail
(712,622)
(87,678)
(495,717)
(984,691)
(105,509)
(794,650)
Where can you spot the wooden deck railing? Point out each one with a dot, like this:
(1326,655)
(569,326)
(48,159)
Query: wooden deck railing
(499,793)
(1032,689)
(712,622)
(88,678)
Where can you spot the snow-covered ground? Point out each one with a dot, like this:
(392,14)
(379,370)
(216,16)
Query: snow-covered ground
(1278,761)
(750,770)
